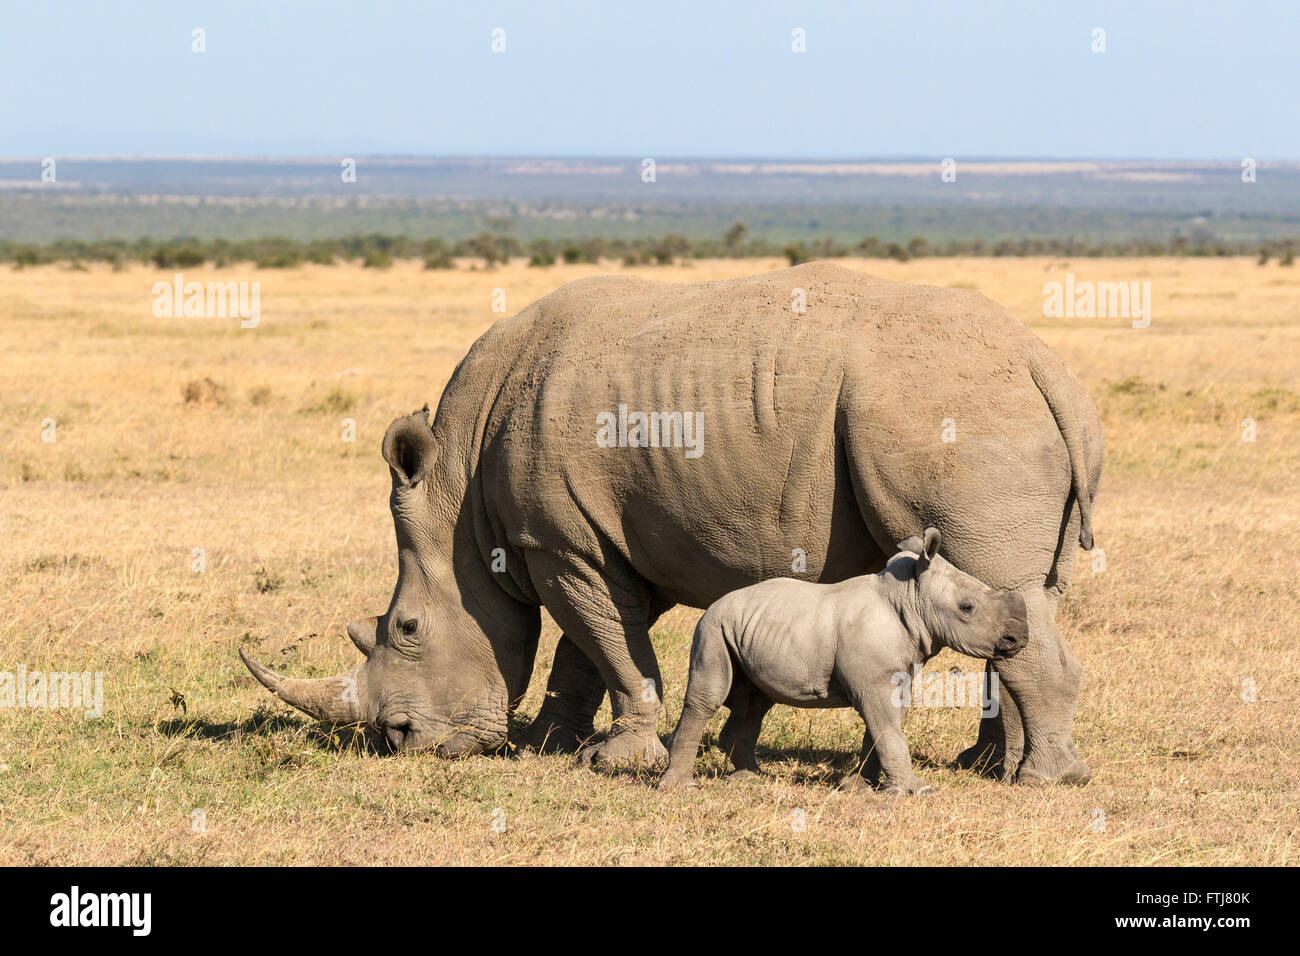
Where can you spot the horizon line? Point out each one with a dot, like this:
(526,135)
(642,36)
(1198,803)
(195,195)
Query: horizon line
(898,159)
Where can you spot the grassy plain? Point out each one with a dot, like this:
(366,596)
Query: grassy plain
(177,434)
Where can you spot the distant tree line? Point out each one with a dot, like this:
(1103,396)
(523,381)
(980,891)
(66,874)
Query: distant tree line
(490,248)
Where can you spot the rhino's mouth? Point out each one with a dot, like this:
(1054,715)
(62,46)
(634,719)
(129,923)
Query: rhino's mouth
(397,732)
(405,732)
(403,735)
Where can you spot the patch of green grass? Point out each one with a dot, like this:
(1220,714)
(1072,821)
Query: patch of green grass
(336,402)
(267,581)
(1133,385)
(1275,399)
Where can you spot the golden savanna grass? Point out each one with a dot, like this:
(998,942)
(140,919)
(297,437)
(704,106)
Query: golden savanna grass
(178,434)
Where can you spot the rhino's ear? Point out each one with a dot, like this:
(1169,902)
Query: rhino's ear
(409,448)
(929,548)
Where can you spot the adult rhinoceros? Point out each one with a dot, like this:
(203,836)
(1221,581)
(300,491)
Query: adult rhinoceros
(623,445)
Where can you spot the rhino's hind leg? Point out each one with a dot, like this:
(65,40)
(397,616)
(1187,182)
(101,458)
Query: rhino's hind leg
(574,692)
(1043,681)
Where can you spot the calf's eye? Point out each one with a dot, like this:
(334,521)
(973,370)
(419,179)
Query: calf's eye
(409,627)
(967,607)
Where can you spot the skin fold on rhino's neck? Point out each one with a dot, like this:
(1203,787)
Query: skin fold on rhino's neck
(465,422)
(453,543)
(904,595)
(499,608)
(436,537)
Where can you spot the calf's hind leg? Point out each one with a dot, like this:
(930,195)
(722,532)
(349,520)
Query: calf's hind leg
(707,689)
(749,706)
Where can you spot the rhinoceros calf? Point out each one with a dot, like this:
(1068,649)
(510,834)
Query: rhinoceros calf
(621,446)
(838,645)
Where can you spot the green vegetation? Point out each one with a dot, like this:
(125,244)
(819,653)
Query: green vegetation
(380,251)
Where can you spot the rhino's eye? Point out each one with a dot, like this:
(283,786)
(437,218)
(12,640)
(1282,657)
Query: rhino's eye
(967,607)
(410,627)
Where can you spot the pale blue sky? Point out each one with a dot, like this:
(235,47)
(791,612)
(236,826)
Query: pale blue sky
(1194,80)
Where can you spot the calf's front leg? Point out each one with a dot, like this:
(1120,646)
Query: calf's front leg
(884,722)
(868,772)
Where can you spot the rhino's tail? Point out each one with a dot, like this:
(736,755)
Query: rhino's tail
(1074,432)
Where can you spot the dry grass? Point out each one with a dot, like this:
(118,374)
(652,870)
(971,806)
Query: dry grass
(177,434)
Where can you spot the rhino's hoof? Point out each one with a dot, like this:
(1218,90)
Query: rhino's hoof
(984,759)
(546,737)
(743,776)
(625,750)
(1076,774)
(667,783)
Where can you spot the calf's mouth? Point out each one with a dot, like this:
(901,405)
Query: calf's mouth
(1011,643)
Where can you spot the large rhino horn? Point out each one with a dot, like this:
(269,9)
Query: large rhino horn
(336,699)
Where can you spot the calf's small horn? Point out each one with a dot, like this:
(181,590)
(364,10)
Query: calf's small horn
(336,699)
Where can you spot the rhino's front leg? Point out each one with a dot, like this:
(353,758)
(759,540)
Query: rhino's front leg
(608,619)
(631,673)
(574,692)
(997,751)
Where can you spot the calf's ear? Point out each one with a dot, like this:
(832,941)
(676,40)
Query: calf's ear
(929,548)
(913,544)
(409,448)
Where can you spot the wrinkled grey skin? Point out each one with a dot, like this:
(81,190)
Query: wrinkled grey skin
(823,434)
(838,645)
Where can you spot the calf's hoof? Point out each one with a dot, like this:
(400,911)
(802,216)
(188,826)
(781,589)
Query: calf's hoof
(855,783)
(670,782)
(743,776)
(908,788)
(640,751)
